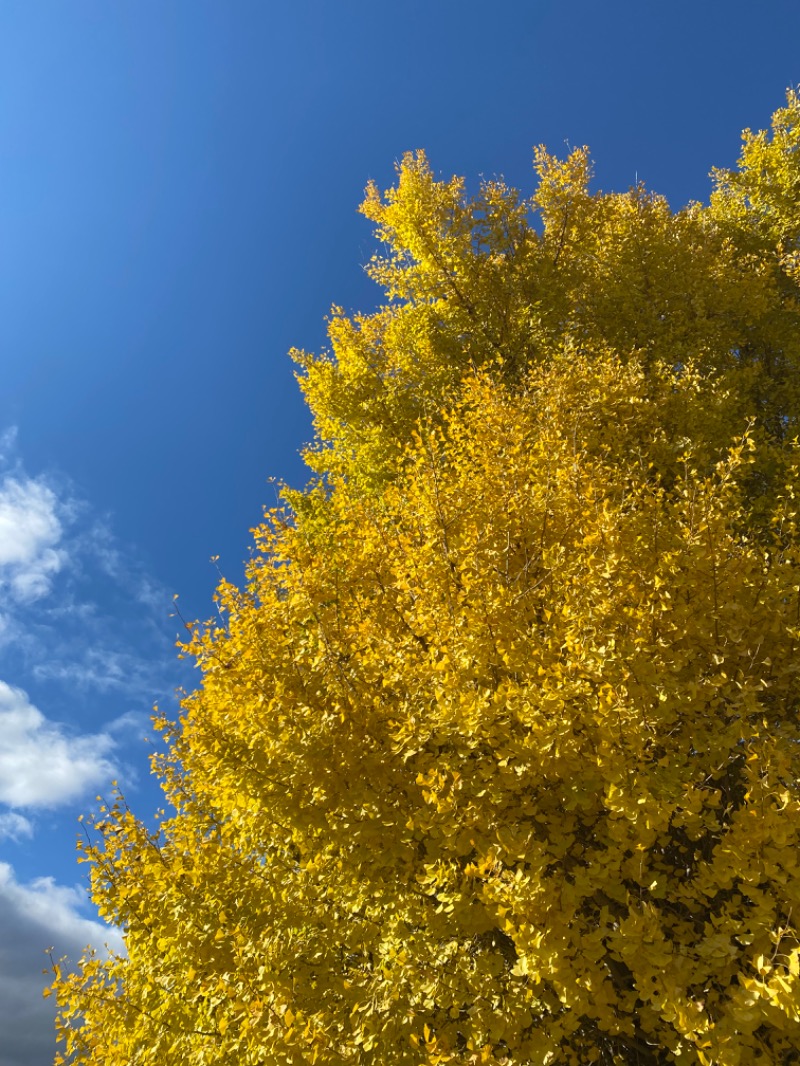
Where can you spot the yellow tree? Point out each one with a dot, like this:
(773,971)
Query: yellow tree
(495,758)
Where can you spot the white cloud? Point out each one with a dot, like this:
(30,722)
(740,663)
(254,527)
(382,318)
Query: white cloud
(40,764)
(14,826)
(30,531)
(35,917)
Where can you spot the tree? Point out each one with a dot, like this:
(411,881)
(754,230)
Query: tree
(496,756)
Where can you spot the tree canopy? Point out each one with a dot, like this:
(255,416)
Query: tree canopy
(496,757)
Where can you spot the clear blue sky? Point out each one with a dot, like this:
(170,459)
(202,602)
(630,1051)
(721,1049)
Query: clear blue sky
(178,194)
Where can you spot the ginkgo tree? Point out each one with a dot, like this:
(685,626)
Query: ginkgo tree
(495,758)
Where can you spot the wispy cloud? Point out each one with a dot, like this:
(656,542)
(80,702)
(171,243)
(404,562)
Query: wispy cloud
(41,765)
(103,669)
(30,531)
(78,607)
(35,917)
(15,826)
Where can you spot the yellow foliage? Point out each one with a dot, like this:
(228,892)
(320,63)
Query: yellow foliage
(496,758)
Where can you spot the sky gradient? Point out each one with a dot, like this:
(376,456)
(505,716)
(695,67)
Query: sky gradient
(178,193)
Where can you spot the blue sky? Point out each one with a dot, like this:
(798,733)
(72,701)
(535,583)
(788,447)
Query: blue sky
(178,194)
